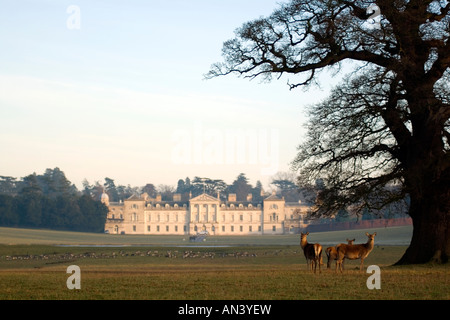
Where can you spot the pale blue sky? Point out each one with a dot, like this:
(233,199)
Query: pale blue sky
(120,93)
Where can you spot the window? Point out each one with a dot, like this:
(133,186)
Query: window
(223,228)
(250,229)
(134,228)
(274,228)
(148,228)
(241,228)
(241,217)
(157,228)
(167,228)
(176,228)
(232,228)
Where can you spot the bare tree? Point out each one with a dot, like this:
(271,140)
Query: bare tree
(384,132)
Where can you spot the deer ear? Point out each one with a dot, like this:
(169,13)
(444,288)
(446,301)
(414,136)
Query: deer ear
(307,233)
(375,234)
(367,234)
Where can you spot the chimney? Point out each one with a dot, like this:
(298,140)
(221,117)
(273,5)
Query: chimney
(177,197)
(232,197)
(249,197)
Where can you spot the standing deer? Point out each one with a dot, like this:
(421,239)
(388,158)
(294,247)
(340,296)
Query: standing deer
(312,251)
(352,252)
(331,252)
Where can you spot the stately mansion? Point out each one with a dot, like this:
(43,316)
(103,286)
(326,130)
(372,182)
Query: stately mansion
(203,214)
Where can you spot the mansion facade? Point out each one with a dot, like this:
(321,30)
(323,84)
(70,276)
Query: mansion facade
(204,214)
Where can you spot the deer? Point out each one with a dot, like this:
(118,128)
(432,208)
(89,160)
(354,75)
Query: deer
(353,252)
(331,252)
(312,251)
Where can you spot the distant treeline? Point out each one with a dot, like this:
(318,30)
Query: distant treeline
(49,201)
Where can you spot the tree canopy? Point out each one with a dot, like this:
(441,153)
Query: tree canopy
(49,201)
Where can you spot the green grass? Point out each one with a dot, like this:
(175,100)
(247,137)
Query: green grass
(15,236)
(261,270)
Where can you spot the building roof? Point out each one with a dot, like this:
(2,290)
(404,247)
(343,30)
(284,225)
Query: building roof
(273,197)
(205,197)
(135,197)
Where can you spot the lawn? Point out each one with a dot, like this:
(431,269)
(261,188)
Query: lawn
(258,271)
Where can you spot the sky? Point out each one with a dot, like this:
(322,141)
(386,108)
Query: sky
(116,89)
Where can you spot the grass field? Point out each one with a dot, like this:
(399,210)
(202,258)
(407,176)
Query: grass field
(33,265)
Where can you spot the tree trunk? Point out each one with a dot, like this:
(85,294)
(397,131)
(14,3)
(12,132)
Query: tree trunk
(431,222)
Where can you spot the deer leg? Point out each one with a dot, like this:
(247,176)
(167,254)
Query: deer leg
(320,271)
(340,264)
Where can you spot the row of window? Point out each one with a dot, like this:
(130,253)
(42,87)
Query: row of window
(196,218)
(223,206)
(196,229)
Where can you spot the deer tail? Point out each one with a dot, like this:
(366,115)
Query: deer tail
(317,250)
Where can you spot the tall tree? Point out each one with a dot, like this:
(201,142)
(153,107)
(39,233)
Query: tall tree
(388,123)
(30,200)
(150,189)
(111,190)
(166,191)
(8,185)
(8,212)
(54,183)
(241,187)
(207,185)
